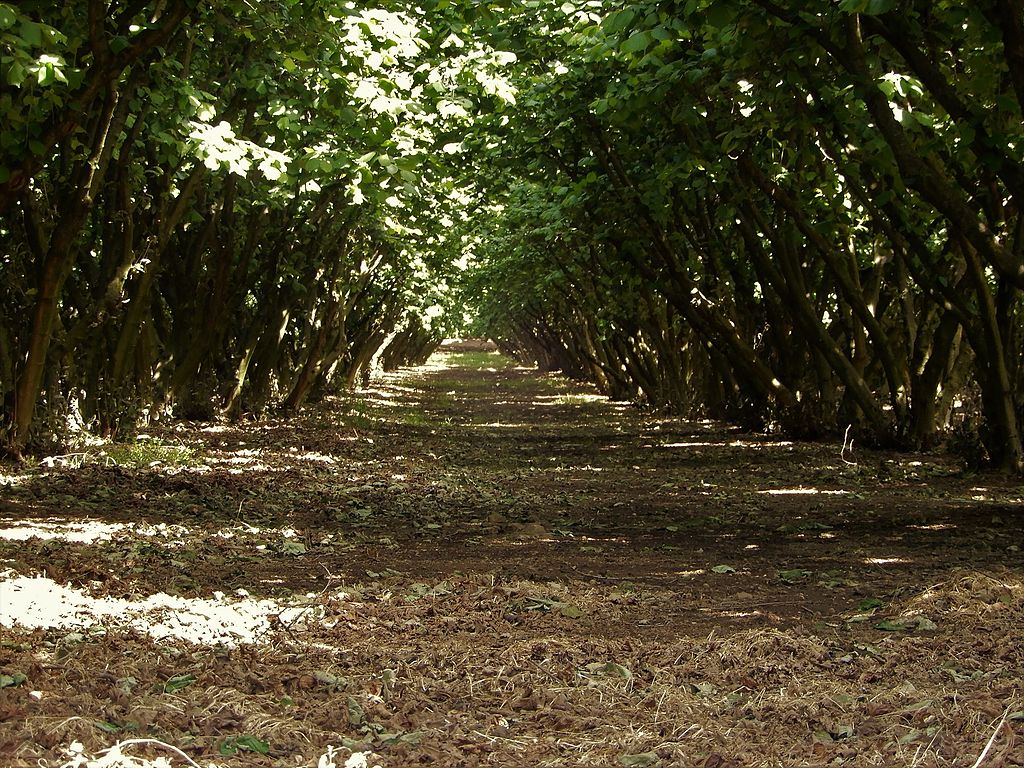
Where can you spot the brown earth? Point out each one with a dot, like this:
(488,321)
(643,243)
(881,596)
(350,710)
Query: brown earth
(473,564)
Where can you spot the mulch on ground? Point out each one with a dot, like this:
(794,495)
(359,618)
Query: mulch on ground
(471,564)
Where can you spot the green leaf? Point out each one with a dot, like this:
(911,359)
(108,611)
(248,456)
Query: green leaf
(244,743)
(394,739)
(609,668)
(178,682)
(618,21)
(7,16)
(867,7)
(923,118)
(8,681)
(106,727)
(16,74)
(870,604)
(793,575)
(31,33)
(911,736)
(252,744)
(878,7)
(636,42)
(721,14)
(356,714)
(723,569)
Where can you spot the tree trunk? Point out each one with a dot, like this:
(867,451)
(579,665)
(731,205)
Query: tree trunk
(57,266)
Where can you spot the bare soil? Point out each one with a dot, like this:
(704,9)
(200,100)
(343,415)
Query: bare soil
(472,564)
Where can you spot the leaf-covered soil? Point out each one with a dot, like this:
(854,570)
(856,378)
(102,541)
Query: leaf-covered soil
(474,564)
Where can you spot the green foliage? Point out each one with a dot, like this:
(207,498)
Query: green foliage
(244,743)
(869,7)
(310,190)
(149,453)
(272,199)
(685,226)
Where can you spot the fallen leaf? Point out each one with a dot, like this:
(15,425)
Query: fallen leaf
(6,681)
(178,682)
(703,689)
(292,547)
(356,714)
(609,668)
(243,743)
(326,678)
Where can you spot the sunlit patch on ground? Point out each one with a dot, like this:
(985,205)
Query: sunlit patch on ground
(64,530)
(801,491)
(12,480)
(40,603)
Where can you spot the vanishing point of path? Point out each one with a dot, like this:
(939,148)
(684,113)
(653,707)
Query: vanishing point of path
(473,564)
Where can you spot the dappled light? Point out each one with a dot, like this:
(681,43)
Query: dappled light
(529,383)
(687,444)
(753,445)
(388,546)
(568,399)
(802,492)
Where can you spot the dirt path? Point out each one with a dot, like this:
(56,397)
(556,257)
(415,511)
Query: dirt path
(470,564)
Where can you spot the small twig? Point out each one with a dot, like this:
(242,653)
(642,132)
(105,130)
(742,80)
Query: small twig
(842,453)
(330,577)
(158,743)
(991,740)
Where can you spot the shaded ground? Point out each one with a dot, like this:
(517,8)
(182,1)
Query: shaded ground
(470,564)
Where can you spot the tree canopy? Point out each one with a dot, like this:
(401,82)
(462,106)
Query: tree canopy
(801,216)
